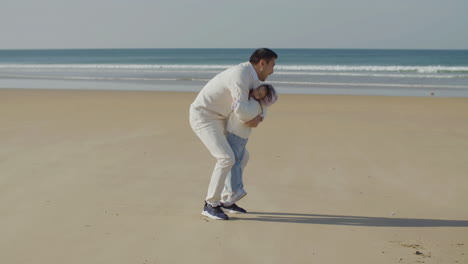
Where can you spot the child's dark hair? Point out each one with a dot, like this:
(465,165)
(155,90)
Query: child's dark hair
(271,95)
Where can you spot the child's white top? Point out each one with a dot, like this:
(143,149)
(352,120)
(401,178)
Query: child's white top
(242,113)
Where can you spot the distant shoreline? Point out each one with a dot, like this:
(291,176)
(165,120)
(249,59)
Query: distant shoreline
(377,49)
(194,86)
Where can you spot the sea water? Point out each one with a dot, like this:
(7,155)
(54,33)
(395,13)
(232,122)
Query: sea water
(300,71)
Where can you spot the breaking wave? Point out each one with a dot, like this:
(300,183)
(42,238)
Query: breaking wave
(300,68)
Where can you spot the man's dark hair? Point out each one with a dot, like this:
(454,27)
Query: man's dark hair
(263,53)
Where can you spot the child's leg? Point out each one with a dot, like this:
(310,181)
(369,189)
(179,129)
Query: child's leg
(234,181)
(227,192)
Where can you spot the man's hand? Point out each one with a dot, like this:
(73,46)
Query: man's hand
(254,122)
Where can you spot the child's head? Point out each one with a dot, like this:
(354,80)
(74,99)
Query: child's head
(265,94)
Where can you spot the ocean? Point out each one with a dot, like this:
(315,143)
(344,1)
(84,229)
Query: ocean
(298,71)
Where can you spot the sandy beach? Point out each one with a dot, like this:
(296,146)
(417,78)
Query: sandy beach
(119,177)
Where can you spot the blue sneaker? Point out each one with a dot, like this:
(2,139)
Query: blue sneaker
(234,209)
(214,212)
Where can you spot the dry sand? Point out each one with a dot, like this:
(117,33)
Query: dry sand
(119,177)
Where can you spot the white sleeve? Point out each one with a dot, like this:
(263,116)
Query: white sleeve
(246,111)
(239,88)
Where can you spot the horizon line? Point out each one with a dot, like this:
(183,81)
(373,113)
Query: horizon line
(429,49)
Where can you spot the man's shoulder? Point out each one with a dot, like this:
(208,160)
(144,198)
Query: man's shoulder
(241,69)
(245,66)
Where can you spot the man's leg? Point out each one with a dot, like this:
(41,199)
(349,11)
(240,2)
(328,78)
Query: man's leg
(212,135)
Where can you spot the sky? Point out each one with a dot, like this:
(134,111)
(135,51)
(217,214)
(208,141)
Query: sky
(361,24)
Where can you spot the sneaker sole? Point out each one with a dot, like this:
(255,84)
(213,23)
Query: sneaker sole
(229,211)
(205,213)
(232,211)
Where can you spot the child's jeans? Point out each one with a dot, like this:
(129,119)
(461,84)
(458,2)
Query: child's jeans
(234,181)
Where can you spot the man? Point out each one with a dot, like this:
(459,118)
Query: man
(208,115)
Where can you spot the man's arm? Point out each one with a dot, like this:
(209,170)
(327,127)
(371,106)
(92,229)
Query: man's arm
(245,111)
(259,118)
(254,122)
(238,84)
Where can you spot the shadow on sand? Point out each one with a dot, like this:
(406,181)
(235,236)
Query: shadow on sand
(351,220)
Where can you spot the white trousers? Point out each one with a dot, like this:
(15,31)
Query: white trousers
(212,132)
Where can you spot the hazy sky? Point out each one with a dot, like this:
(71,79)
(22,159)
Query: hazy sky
(412,24)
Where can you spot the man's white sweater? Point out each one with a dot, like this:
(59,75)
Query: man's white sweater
(216,98)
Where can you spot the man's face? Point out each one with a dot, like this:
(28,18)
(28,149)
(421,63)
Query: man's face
(266,69)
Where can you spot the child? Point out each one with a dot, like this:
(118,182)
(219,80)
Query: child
(238,134)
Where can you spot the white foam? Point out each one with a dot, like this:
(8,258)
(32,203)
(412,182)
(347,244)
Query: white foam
(111,66)
(367,74)
(374,68)
(292,68)
(374,84)
(88,78)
